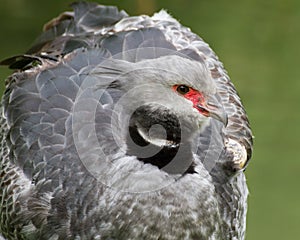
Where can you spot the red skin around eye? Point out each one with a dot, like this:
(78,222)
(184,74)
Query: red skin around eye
(196,98)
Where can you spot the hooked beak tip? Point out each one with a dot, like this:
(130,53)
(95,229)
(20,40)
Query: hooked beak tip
(220,116)
(214,112)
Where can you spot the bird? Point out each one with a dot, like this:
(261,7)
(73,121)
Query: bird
(121,127)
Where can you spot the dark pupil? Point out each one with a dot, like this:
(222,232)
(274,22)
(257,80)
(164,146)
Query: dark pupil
(183,89)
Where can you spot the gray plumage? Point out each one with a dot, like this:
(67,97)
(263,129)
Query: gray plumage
(96,144)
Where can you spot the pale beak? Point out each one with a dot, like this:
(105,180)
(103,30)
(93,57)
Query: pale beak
(214,111)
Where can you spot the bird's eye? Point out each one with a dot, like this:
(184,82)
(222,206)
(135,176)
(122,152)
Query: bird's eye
(182,89)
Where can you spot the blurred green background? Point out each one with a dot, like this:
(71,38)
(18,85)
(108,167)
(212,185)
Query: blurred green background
(258,41)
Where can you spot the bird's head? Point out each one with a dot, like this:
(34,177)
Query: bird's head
(165,102)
